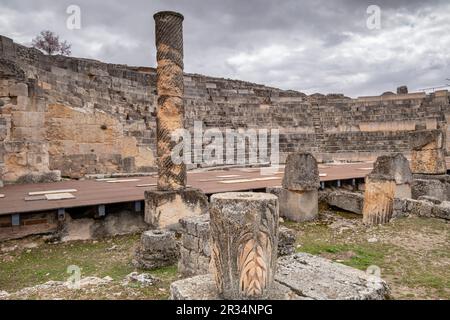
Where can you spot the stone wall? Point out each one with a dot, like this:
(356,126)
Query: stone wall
(82,116)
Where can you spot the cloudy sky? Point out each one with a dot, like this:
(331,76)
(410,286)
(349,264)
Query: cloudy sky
(311,46)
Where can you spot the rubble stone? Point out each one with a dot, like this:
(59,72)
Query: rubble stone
(348,201)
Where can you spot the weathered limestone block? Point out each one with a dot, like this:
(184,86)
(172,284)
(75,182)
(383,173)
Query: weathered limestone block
(426,207)
(158,248)
(244,242)
(321,279)
(348,201)
(299,277)
(428,155)
(391,178)
(378,201)
(298,206)
(395,167)
(430,161)
(164,209)
(429,187)
(301,172)
(442,210)
(426,140)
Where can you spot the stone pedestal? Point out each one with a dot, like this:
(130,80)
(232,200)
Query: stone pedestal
(299,197)
(244,241)
(158,248)
(164,209)
(428,155)
(299,277)
(297,206)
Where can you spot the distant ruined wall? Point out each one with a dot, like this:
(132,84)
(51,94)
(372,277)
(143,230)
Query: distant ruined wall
(82,116)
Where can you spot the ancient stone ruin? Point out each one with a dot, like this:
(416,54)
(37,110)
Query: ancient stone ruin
(244,243)
(299,193)
(244,260)
(172,200)
(391,178)
(73,118)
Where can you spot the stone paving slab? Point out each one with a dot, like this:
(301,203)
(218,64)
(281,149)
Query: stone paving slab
(299,276)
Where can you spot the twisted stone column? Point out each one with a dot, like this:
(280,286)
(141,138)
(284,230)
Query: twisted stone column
(170,88)
(244,241)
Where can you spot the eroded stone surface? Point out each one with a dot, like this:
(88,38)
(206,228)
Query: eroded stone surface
(378,201)
(298,206)
(321,279)
(348,201)
(427,140)
(428,162)
(394,167)
(301,172)
(425,207)
(195,250)
(286,241)
(428,155)
(164,209)
(300,276)
(429,187)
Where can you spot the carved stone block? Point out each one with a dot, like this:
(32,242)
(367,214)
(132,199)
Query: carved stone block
(164,209)
(244,242)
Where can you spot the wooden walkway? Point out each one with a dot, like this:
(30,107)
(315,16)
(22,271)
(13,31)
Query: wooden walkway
(92,192)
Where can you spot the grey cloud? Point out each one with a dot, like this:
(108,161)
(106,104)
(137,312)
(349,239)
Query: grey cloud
(302,45)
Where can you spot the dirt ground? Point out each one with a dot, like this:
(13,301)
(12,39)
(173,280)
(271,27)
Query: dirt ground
(413,255)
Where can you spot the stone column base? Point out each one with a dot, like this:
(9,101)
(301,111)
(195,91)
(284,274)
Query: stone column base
(297,206)
(158,249)
(164,209)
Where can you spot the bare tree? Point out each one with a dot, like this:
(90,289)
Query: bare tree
(48,42)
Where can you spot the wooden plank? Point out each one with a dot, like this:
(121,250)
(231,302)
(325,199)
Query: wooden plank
(229,176)
(40,193)
(59,196)
(249,180)
(147,185)
(35,198)
(123,181)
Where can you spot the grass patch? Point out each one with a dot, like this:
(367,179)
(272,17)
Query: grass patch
(356,256)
